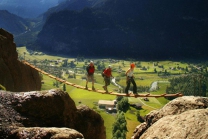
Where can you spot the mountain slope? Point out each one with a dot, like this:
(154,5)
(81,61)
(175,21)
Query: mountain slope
(136,29)
(27,8)
(13,23)
(74,5)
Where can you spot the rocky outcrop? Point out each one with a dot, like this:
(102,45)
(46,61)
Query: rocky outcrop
(47,114)
(182,118)
(15,76)
(46,133)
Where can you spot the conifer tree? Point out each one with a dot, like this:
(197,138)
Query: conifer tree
(119,126)
(64,87)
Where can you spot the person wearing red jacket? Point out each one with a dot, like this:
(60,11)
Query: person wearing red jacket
(107,75)
(90,74)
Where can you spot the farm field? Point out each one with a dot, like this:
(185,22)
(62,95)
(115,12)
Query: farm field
(145,76)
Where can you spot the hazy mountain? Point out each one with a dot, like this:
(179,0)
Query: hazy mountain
(75,5)
(12,23)
(138,29)
(27,8)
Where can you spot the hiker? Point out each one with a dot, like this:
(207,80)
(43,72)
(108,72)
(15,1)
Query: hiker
(90,74)
(107,75)
(130,79)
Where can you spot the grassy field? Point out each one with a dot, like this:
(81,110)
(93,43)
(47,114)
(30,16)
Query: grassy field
(87,98)
(143,78)
(22,51)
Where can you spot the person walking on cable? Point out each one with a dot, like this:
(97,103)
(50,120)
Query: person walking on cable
(130,79)
(107,75)
(90,74)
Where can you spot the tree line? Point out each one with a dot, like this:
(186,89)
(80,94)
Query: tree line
(191,84)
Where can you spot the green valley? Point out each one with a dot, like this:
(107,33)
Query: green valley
(147,74)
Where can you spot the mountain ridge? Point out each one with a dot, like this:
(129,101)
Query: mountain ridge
(138,29)
(27,9)
(120,29)
(13,23)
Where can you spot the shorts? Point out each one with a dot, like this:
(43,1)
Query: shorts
(89,77)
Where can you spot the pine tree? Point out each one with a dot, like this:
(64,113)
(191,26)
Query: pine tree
(119,126)
(64,87)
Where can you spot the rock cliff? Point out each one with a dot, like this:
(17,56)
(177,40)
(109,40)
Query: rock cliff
(14,75)
(183,118)
(47,114)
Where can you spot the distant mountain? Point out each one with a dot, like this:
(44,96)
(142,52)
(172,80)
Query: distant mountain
(74,5)
(13,23)
(130,29)
(27,8)
(29,37)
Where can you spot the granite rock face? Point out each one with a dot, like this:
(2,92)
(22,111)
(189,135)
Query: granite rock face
(192,124)
(14,75)
(184,117)
(47,114)
(46,133)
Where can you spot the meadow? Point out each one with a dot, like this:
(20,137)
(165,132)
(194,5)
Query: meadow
(145,75)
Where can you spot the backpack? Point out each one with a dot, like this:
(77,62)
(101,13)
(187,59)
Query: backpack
(102,73)
(88,69)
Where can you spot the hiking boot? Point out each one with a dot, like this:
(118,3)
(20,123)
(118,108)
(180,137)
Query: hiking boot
(104,87)
(106,91)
